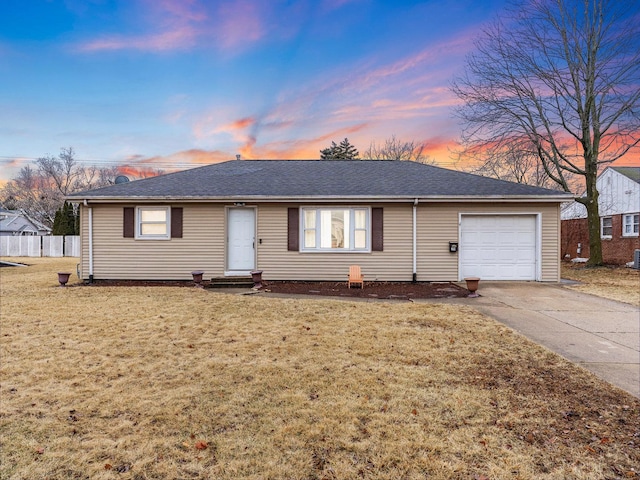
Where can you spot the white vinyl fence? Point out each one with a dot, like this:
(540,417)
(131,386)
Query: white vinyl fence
(40,246)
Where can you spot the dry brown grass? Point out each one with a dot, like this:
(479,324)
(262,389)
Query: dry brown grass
(615,283)
(169,382)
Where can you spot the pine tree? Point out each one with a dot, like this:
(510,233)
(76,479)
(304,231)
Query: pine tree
(65,221)
(348,151)
(57,223)
(72,220)
(344,151)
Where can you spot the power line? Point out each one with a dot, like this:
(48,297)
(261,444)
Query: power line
(142,163)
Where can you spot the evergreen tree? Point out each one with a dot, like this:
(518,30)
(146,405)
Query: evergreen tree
(58,228)
(343,151)
(65,221)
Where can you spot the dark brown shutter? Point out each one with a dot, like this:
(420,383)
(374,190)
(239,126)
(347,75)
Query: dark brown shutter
(293,237)
(377,236)
(128,222)
(176,222)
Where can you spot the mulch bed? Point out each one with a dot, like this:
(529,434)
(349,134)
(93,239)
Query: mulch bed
(385,290)
(382,290)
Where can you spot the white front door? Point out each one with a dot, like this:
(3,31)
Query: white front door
(241,239)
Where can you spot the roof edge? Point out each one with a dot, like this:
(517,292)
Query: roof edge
(391,199)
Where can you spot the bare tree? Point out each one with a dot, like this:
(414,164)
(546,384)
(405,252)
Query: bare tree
(40,192)
(516,166)
(33,194)
(557,79)
(394,149)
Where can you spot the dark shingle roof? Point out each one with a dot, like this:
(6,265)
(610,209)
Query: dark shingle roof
(316,178)
(632,173)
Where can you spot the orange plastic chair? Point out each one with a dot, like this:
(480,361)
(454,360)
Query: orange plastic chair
(355,276)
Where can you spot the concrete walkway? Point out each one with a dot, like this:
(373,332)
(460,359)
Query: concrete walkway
(601,335)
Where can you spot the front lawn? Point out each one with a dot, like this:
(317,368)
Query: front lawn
(170,382)
(613,282)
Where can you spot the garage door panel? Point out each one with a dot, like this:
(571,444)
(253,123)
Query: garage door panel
(498,247)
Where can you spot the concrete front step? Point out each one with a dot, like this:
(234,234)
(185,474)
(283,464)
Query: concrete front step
(231,282)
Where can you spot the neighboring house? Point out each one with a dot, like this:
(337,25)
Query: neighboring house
(619,204)
(17,223)
(311,219)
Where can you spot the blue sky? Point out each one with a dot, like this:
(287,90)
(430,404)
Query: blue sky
(175,83)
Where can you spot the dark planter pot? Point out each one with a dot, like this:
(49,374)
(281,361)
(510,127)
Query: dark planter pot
(197,277)
(472,286)
(256,276)
(63,278)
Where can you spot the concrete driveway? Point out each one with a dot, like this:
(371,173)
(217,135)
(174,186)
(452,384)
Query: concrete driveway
(601,335)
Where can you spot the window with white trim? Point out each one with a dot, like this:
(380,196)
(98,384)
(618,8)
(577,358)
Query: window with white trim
(630,223)
(336,229)
(153,223)
(606,227)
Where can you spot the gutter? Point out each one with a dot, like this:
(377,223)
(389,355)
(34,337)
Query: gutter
(86,204)
(327,198)
(414,277)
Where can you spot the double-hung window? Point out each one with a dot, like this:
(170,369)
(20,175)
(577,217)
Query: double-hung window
(153,223)
(630,224)
(336,229)
(606,227)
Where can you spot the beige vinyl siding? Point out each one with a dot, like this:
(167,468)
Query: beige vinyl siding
(115,257)
(394,263)
(438,225)
(551,238)
(203,244)
(84,242)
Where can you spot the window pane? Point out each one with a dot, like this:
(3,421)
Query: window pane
(339,229)
(630,224)
(153,229)
(335,229)
(310,239)
(309,219)
(325,229)
(153,215)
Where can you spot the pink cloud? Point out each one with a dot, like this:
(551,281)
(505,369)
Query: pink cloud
(176,39)
(304,148)
(241,124)
(240,23)
(183,9)
(364,104)
(16,162)
(228,26)
(141,166)
(329,5)
(171,25)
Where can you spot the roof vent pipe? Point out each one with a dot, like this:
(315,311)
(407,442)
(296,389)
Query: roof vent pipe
(238,156)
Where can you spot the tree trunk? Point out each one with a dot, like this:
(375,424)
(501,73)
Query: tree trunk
(593,220)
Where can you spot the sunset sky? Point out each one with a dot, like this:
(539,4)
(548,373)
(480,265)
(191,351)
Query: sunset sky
(177,83)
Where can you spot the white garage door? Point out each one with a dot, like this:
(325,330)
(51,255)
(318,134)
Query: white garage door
(498,247)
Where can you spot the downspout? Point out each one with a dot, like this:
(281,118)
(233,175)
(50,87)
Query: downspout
(414,278)
(90,241)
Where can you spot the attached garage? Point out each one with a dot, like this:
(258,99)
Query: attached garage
(499,247)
